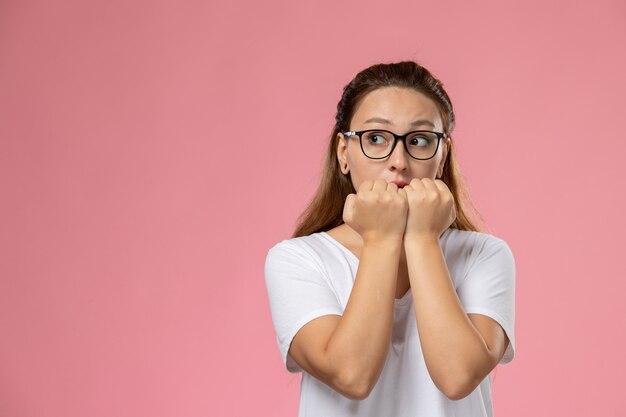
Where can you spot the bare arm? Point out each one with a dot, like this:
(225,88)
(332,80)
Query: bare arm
(457,355)
(348,353)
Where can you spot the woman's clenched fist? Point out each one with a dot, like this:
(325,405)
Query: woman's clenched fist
(431,207)
(378,211)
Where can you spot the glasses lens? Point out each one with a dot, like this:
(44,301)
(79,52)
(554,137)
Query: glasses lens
(422,145)
(376,144)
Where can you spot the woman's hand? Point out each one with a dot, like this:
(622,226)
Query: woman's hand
(431,208)
(378,211)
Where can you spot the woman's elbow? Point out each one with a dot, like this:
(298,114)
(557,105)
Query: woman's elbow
(457,394)
(459,389)
(354,387)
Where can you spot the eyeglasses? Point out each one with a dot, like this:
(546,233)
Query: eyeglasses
(379,144)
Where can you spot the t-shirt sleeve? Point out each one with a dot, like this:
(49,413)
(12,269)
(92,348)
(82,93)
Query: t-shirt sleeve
(489,288)
(298,292)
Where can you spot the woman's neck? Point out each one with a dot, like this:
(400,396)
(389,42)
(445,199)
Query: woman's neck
(350,239)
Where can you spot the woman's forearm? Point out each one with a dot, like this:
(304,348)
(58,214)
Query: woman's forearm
(450,342)
(359,345)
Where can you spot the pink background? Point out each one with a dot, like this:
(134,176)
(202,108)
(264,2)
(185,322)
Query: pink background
(151,152)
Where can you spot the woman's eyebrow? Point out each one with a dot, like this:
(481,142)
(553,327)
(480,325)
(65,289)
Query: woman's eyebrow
(389,122)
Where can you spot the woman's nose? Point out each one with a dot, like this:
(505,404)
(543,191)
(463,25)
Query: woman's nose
(398,160)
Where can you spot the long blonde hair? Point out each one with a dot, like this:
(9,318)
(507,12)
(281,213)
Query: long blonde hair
(325,210)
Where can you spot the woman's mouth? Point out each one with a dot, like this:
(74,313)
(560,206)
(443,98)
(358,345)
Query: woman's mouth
(399,183)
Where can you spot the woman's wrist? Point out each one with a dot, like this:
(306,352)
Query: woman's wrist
(417,240)
(383,243)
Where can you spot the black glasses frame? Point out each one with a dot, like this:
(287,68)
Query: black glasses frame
(396,139)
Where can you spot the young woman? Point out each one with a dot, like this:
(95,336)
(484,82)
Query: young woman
(387,298)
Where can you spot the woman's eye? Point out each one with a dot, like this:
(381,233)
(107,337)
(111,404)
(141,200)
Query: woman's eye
(377,139)
(420,141)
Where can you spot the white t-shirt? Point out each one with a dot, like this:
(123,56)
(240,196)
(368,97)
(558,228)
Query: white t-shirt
(312,276)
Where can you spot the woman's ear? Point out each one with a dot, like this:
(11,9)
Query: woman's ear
(342,158)
(445,149)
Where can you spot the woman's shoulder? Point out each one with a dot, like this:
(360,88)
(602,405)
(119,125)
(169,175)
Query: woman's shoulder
(313,255)
(470,237)
(300,242)
(470,253)
(312,247)
(471,244)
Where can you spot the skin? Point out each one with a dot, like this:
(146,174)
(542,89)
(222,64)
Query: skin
(401,107)
(382,224)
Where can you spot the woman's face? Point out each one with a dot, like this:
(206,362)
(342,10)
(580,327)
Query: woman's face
(399,110)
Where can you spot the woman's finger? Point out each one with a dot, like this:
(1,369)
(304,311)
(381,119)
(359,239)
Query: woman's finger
(379,185)
(416,184)
(429,185)
(442,186)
